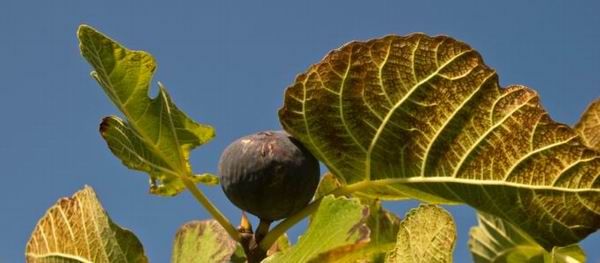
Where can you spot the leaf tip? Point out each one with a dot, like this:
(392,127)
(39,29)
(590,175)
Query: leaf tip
(84,32)
(83,29)
(88,188)
(104,125)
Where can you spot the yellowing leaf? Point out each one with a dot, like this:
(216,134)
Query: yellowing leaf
(496,241)
(424,117)
(337,222)
(77,229)
(156,137)
(427,234)
(589,125)
(202,241)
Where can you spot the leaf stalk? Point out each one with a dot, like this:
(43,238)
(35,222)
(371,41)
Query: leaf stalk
(212,210)
(289,222)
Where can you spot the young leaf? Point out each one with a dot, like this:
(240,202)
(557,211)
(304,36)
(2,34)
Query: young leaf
(77,229)
(497,241)
(157,137)
(383,226)
(202,241)
(327,185)
(427,234)
(424,117)
(337,222)
(589,125)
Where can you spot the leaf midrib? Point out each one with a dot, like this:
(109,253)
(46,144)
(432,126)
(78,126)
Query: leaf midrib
(475,182)
(133,152)
(58,254)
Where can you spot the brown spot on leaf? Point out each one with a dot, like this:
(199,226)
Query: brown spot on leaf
(104,125)
(361,227)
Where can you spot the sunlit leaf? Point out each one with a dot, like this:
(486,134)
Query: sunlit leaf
(156,137)
(337,222)
(569,254)
(239,256)
(383,226)
(589,125)
(202,241)
(77,229)
(496,241)
(424,117)
(427,234)
(282,244)
(327,185)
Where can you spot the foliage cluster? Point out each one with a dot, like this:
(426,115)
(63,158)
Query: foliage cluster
(394,118)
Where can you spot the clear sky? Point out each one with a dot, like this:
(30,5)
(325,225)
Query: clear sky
(227,63)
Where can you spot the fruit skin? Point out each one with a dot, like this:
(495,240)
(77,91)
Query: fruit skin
(269,174)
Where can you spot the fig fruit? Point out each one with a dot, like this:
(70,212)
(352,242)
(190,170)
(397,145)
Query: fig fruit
(269,174)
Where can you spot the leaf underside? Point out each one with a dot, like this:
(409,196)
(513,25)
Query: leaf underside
(156,136)
(424,117)
(496,241)
(427,234)
(202,241)
(589,125)
(77,229)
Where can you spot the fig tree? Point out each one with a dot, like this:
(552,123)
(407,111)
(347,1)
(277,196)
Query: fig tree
(269,174)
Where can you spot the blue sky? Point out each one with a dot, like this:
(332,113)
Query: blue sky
(226,64)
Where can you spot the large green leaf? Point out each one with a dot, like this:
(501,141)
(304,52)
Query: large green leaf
(77,229)
(427,234)
(202,241)
(589,125)
(424,117)
(383,226)
(496,241)
(337,222)
(157,137)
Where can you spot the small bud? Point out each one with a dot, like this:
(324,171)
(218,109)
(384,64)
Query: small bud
(245,226)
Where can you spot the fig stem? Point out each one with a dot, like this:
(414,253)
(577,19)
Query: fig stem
(262,230)
(250,242)
(289,222)
(212,210)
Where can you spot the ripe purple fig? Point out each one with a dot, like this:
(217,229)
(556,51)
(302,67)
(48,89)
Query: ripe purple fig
(269,174)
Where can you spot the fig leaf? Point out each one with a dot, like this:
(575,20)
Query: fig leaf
(156,136)
(383,227)
(202,241)
(424,117)
(495,240)
(589,125)
(77,229)
(427,234)
(338,222)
